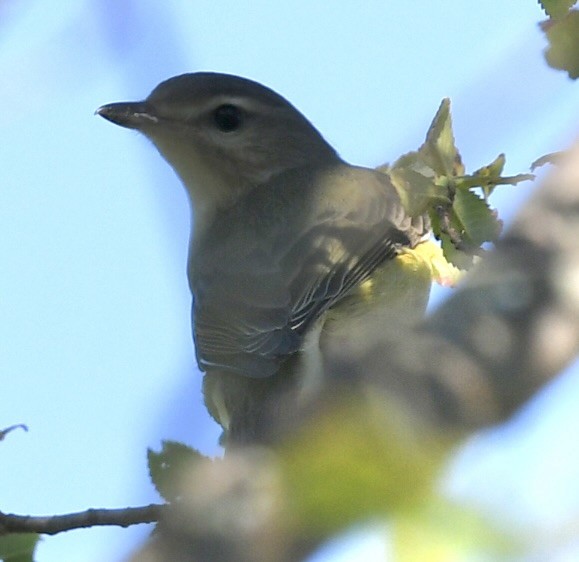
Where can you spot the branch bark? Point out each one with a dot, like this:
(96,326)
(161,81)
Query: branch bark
(511,327)
(54,524)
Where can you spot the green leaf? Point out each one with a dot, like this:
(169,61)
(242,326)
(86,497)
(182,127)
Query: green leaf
(488,177)
(417,192)
(433,180)
(413,161)
(557,8)
(563,37)
(166,467)
(468,182)
(458,258)
(489,173)
(439,151)
(18,547)
(464,227)
(379,464)
(478,221)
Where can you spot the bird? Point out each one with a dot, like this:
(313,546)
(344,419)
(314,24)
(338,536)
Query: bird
(294,254)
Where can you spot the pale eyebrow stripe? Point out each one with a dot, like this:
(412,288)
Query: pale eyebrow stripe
(247,103)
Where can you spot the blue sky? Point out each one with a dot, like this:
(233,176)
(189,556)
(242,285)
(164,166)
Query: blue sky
(95,347)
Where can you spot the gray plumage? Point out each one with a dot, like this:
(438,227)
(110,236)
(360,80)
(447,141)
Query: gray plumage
(284,236)
(271,265)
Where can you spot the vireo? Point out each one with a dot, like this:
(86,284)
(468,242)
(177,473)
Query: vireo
(293,252)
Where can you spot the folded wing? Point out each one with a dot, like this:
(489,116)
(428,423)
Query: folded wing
(274,263)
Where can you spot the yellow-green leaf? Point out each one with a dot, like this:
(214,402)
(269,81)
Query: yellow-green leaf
(443,532)
(489,173)
(439,150)
(478,221)
(417,192)
(358,460)
(413,161)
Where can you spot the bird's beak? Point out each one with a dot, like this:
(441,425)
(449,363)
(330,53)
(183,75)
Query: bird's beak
(133,115)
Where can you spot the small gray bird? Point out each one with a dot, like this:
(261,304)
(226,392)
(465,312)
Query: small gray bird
(294,254)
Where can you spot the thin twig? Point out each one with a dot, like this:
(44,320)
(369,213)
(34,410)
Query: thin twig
(4,432)
(53,524)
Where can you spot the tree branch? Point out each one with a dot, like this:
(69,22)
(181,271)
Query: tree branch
(4,432)
(51,525)
(511,327)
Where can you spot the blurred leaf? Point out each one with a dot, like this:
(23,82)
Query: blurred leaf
(166,467)
(557,8)
(554,158)
(441,270)
(563,50)
(18,547)
(359,460)
(441,531)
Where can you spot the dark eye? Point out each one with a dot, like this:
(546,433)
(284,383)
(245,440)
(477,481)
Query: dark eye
(228,118)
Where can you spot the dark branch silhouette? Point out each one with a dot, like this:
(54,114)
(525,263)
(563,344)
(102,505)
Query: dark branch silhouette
(4,432)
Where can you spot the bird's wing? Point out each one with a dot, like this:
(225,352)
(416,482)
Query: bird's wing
(271,266)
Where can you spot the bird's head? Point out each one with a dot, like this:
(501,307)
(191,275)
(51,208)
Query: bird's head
(222,134)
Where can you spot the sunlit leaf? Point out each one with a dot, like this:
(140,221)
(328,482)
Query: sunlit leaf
(417,192)
(442,271)
(433,180)
(489,173)
(413,161)
(460,259)
(479,222)
(439,151)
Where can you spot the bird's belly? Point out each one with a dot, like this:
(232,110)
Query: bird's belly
(377,311)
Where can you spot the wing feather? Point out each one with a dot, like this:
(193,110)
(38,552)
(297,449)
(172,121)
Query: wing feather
(273,264)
